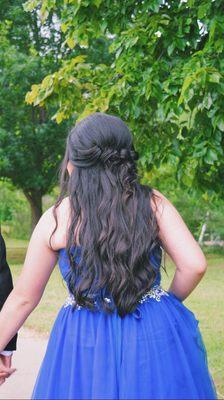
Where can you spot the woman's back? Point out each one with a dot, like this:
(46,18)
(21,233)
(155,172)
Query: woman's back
(156,351)
(119,335)
(58,243)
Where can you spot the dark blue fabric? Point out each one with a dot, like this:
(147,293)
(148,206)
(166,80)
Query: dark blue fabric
(156,352)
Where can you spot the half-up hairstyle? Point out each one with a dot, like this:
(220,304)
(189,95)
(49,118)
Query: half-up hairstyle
(112,227)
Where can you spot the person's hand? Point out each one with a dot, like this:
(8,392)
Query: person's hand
(5,368)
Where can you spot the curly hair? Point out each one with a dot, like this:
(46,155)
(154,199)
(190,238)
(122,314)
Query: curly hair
(113,228)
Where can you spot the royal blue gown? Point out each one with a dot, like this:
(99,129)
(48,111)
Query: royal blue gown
(155,352)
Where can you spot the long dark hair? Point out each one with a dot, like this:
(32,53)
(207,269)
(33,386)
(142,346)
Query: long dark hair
(113,228)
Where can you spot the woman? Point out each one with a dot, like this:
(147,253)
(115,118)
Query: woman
(119,335)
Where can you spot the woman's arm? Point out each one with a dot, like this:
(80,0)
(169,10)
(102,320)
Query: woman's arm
(181,246)
(39,263)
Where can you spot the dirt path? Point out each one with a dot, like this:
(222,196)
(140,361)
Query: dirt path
(27,359)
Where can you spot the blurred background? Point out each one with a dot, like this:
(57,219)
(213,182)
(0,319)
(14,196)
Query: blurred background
(158,65)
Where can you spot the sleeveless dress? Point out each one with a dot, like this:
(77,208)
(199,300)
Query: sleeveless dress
(155,352)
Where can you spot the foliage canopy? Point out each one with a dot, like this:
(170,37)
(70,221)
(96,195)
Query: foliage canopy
(31,144)
(161,69)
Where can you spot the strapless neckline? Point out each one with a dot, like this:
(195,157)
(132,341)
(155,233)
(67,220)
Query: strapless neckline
(73,248)
(64,264)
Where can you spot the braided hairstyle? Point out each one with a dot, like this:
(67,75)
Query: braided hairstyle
(112,227)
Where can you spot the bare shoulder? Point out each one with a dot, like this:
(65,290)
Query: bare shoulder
(53,224)
(61,216)
(44,227)
(63,210)
(158,202)
(48,217)
(163,207)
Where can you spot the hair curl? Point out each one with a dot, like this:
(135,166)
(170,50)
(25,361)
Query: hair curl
(113,228)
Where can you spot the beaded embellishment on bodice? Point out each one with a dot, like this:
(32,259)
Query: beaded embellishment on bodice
(155,292)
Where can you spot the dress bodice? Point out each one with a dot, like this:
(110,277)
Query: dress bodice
(155,258)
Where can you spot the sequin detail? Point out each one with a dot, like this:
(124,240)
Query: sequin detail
(154,293)
(70,301)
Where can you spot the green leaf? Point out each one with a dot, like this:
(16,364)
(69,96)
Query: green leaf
(70,42)
(64,27)
(78,59)
(187,82)
(97,3)
(211,156)
(220,124)
(59,116)
(30,5)
(215,77)
(47,81)
(170,49)
(203,9)
(31,96)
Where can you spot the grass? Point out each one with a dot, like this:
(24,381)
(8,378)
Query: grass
(16,250)
(206,302)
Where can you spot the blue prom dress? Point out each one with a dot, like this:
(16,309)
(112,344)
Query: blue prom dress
(155,352)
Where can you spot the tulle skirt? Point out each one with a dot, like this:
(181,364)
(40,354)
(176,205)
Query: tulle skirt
(156,352)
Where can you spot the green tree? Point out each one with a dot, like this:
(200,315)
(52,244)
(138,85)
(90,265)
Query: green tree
(163,75)
(31,144)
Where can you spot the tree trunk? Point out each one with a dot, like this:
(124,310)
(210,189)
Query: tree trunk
(203,229)
(35,200)
(202,233)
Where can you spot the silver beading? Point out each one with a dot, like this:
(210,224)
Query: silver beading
(154,293)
